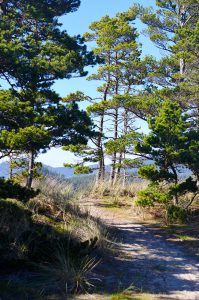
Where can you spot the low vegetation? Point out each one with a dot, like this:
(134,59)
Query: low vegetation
(48,245)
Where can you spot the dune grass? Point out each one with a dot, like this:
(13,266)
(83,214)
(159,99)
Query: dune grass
(48,244)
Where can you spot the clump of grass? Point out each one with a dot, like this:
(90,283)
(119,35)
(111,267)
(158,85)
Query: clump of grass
(64,190)
(132,296)
(64,273)
(55,188)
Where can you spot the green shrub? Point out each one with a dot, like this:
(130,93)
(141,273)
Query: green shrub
(176,214)
(151,195)
(11,189)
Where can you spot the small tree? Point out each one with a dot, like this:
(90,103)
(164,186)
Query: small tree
(168,145)
(25,129)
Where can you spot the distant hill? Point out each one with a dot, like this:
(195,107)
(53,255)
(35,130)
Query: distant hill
(68,172)
(64,171)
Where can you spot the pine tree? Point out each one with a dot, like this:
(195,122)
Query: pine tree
(173,28)
(34,52)
(116,45)
(171,145)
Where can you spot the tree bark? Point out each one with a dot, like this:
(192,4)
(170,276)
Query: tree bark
(101,166)
(114,156)
(125,132)
(175,198)
(99,149)
(118,170)
(10,169)
(183,18)
(30,170)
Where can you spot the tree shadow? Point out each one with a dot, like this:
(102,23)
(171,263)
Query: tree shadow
(148,263)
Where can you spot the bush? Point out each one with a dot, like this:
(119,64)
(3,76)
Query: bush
(176,214)
(11,189)
(152,195)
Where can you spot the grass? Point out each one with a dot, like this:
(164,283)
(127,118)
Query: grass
(130,190)
(117,196)
(64,274)
(131,293)
(57,243)
(132,296)
(185,237)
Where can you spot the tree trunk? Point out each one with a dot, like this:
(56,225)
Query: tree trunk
(175,198)
(183,18)
(125,132)
(114,156)
(182,66)
(101,169)
(99,174)
(118,170)
(101,166)
(10,168)
(30,170)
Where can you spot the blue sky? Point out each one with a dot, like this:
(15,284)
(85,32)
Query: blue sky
(78,23)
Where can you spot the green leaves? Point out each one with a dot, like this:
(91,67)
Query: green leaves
(29,138)
(34,52)
(151,196)
(169,146)
(83,170)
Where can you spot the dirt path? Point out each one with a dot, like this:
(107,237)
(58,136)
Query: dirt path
(146,261)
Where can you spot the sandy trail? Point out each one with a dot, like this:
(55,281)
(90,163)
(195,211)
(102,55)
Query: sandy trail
(146,261)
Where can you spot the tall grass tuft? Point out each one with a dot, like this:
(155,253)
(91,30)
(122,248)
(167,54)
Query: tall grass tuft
(65,273)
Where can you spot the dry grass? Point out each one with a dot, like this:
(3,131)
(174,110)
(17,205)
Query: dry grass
(58,198)
(118,195)
(54,216)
